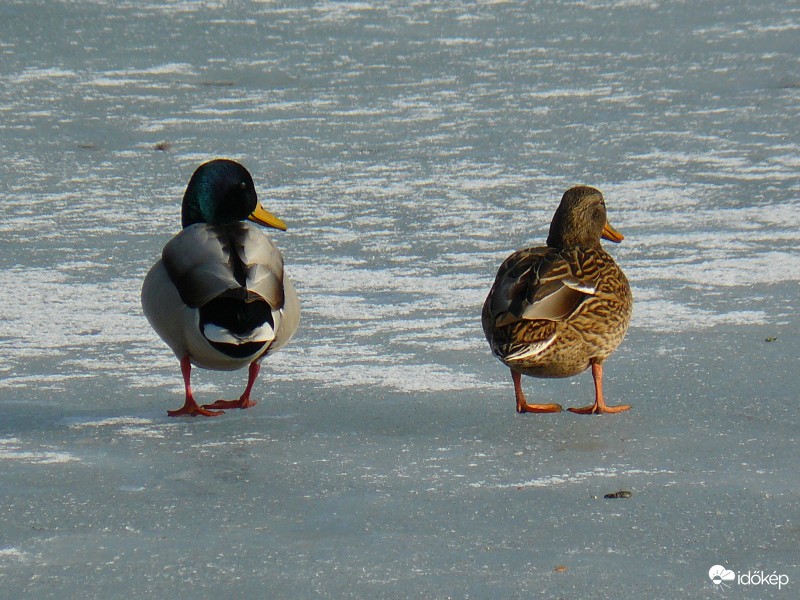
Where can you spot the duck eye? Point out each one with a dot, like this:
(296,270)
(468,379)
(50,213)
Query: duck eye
(243,185)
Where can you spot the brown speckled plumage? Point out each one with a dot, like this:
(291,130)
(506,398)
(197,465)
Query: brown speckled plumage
(556,310)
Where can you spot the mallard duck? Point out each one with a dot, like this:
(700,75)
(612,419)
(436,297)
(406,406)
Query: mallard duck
(556,310)
(219,296)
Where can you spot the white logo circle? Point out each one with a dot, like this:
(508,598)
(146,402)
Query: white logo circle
(718,574)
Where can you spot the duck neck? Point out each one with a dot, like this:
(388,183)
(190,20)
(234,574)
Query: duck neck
(566,240)
(196,206)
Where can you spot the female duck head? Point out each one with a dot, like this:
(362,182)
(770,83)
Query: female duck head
(222,191)
(581,221)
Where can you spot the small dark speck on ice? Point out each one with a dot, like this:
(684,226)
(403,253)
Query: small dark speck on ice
(619,494)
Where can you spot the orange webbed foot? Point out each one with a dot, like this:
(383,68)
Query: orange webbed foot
(524,407)
(240,403)
(522,404)
(599,407)
(192,410)
(596,409)
(190,407)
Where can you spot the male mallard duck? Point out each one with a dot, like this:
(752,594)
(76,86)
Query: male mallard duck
(555,311)
(219,296)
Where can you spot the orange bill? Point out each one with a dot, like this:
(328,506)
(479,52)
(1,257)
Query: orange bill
(611,234)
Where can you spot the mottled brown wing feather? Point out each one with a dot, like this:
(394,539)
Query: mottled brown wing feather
(534,284)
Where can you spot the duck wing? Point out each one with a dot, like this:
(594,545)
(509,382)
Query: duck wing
(206,261)
(537,284)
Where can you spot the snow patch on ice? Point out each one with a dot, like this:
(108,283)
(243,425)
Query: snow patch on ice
(12,553)
(135,427)
(11,449)
(113,421)
(673,317)
(580,476)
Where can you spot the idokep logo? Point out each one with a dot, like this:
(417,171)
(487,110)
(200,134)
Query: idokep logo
(721,576)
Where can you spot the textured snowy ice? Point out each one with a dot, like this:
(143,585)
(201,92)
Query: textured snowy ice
(410,146)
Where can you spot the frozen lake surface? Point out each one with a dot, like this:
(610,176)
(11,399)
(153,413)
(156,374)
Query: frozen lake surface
(410,146)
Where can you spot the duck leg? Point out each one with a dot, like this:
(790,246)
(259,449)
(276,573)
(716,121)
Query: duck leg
(244,400)
(190,407)
(522,404)
(599,407)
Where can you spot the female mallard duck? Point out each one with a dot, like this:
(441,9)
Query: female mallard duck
(557,310)
(219,297)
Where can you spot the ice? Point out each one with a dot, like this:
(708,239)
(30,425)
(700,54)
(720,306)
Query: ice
(410,146)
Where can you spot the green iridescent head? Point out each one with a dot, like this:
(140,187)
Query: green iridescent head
(222,191)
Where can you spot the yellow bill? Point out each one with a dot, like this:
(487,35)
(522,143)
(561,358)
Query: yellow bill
(263,217)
